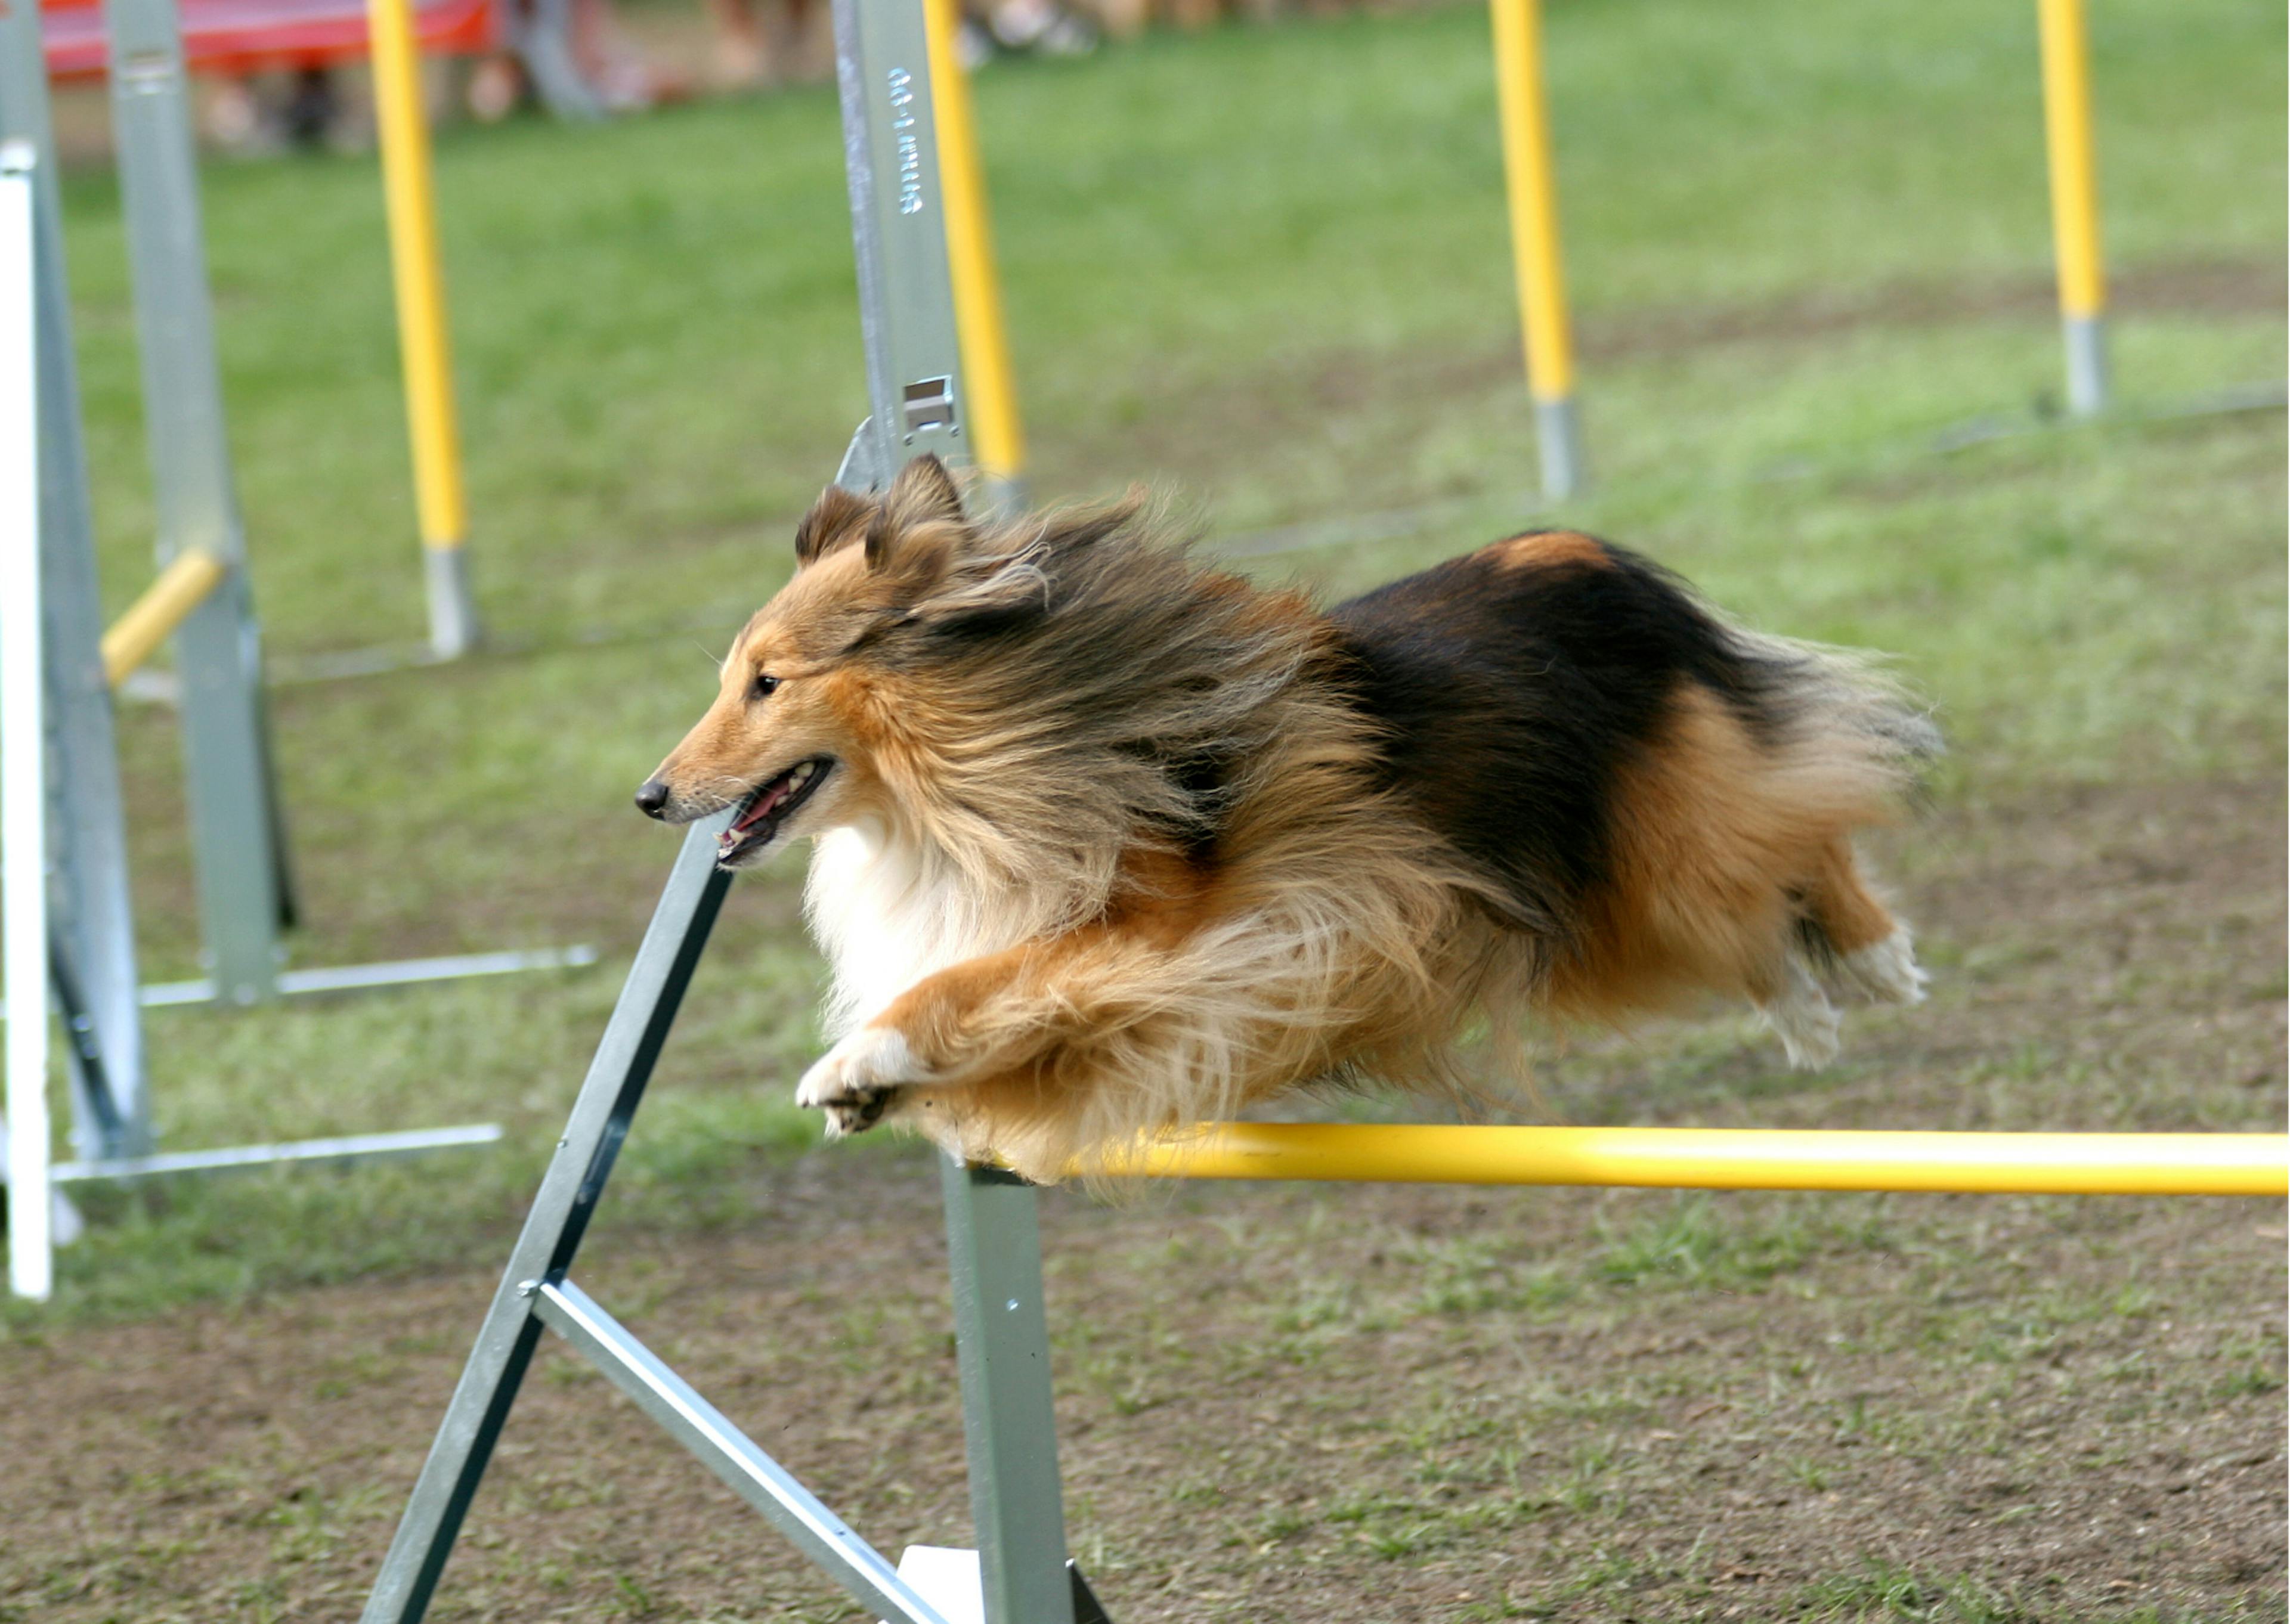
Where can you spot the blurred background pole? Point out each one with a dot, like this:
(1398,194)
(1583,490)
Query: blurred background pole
(427,354)
(1534,242)
(2075,201)
(997,443)
(238,841)
(91,927)
(23,742)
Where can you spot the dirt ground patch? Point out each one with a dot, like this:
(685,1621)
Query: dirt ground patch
(1301,1404)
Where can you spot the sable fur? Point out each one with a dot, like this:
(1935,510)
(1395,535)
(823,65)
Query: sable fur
(1108,841)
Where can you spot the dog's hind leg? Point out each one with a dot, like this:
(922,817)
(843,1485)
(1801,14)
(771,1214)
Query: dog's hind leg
(1802,1017)
(1872,950)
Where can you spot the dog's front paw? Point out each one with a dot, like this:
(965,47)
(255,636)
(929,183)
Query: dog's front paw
(854,1082)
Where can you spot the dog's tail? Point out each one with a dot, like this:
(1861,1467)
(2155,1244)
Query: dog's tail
(1846,725)
(1844,708)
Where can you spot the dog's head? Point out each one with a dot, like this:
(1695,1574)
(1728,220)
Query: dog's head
(821,686)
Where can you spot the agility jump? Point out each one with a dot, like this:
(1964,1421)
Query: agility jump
(1022,1572)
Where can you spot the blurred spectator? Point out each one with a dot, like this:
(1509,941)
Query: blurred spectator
(1045,25)
(589,41)
(299,107)
(770,41)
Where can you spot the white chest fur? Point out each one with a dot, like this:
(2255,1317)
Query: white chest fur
(888,912)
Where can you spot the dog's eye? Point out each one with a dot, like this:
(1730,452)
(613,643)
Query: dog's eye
(761,688)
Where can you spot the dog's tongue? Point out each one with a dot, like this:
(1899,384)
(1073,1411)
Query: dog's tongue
(761,809)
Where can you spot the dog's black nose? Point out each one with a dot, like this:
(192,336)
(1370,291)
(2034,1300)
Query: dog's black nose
(651,797)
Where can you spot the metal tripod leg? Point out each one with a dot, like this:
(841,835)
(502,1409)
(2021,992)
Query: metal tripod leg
(87,843)
(225,748)
(91,1076)
(534,1292)
(569,1191)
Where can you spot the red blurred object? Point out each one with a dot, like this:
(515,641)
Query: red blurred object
(240,37)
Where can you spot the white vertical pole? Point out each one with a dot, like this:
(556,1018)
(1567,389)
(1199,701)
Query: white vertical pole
(23,745)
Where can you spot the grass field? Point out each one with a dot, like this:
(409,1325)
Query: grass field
(1266,269)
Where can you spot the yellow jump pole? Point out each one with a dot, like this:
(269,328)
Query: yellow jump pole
(1519,86)
(189,579)
(997,443)
(421,336)
(2075,201)
(1730,1158)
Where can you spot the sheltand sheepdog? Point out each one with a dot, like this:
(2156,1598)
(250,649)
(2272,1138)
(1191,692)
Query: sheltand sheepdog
(1108,841)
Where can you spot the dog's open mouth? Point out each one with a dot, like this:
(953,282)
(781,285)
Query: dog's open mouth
(770,808)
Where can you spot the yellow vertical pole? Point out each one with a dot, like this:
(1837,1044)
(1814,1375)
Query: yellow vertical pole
(996,441)
(1527,167)
(422,340)
(2075,200)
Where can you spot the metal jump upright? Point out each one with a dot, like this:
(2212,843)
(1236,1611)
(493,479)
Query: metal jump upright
(1021,1575)
(245,893)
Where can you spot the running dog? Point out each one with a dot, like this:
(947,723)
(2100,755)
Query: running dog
(1107,842)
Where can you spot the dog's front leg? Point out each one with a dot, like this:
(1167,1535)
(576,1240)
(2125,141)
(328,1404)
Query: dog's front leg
(986,1014)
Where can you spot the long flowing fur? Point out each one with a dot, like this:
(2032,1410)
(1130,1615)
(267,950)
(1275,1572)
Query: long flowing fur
(1111,842)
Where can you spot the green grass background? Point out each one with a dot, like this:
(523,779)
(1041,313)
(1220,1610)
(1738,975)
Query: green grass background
(1265,267)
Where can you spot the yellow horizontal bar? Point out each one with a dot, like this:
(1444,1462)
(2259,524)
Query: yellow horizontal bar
(1730,1158)
(166,603)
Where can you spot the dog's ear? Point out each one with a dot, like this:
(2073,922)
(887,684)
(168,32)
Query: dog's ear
(837,517)
(906,560)
(924,492)
(913,537)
